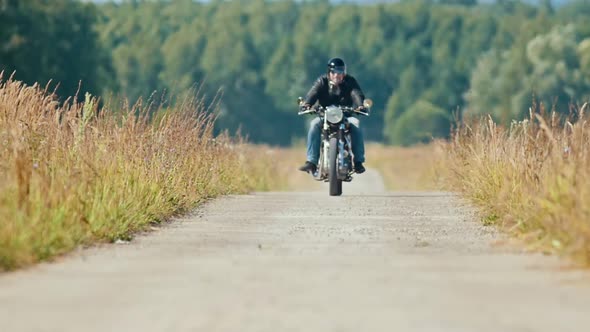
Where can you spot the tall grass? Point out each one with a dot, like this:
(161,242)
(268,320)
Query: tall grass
(405,168)
(532,178)
(73,174)
(277,168)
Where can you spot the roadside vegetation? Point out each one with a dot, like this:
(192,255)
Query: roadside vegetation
(405,168)
(531,178)
(276,168)
(75,174)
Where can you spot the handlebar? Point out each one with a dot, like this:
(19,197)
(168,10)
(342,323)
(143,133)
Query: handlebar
(320,109)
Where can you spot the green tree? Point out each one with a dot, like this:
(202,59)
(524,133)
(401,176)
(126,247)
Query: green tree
(411,86)
(181,57)
(263,54)
(551,68)
(67,50)
(420,123)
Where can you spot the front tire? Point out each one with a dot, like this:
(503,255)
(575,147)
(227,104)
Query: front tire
(335,183)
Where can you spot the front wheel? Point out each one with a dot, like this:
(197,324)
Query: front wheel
(335,183)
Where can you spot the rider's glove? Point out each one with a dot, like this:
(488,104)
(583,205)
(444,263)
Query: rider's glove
(304,107)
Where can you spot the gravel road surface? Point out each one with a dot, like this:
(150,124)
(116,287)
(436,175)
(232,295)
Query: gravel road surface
(370,260)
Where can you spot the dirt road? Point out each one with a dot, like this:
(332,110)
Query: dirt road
(367,261)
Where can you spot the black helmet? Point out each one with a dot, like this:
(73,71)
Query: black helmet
(336,65)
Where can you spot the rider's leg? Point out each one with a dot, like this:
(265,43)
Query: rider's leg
(313,141)
(358,143)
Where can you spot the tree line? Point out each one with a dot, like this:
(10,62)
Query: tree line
(423,62)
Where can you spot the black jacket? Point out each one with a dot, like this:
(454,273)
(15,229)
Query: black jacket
(347,93)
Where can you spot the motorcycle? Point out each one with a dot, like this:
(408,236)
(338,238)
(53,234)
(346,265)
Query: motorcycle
(335,163)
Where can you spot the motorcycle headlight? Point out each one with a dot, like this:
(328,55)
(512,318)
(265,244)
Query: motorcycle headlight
(333,114)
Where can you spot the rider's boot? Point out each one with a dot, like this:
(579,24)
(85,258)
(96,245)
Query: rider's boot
(359,168)
(308,167)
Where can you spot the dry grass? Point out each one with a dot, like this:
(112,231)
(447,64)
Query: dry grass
(76,174)
(404,168)
(532,179)
(281,173)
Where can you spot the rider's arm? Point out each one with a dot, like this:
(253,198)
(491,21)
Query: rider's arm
(357,95)
(313,94)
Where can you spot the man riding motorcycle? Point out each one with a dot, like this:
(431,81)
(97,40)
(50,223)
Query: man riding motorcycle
(335,87)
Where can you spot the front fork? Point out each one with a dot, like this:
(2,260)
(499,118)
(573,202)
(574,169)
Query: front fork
(343,167)
(344,154)
(326,145)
